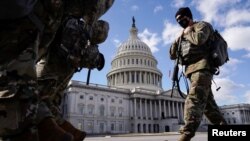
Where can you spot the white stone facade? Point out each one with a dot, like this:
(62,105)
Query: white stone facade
(235,114)
(99,109)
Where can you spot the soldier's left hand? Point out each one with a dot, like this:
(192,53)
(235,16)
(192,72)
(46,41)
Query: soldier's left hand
(188,29)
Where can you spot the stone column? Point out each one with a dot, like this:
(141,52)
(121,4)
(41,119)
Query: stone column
(164,106)
(151,109)
(131,109)
(140,77)
(159,109)
(182,113)
(169,110)
(155,109)
(178,111)
(135,109)
(150,77)
(173,108)
(125,77)
(108,105)
(140,108)
(146,109)
(114,76)
(135,76)
(130,77)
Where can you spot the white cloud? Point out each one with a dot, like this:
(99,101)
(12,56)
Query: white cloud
(117,42)
(178,3)
(151,39)
(134,8)
(211,10)
(233,15)
(230,67)
(237,17)
(247,55)
(225,95)
(158,8)
(237,37)
(170,32)
(247,96)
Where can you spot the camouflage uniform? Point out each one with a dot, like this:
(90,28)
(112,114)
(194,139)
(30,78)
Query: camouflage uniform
(74,46)
(20,40)
(200,99)
(69,54)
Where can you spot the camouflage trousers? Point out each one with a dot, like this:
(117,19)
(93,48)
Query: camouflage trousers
(199,101)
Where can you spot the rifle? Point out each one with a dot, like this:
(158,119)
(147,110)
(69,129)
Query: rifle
(88,76)
(175,78)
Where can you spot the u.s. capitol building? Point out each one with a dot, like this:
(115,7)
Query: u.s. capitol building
(133,101)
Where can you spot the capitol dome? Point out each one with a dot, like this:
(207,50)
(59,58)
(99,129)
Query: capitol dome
(134,65)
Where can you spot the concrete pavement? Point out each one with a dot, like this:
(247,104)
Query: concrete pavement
(170,136)
(167,136)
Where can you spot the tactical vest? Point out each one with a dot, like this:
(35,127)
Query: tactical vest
(191,53)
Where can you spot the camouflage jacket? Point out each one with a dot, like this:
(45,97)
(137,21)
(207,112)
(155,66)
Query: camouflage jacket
(199,36)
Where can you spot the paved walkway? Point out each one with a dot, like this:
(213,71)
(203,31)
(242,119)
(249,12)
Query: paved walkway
(169,136)
(145,137)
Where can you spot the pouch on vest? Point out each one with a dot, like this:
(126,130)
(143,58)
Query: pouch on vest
(191,53)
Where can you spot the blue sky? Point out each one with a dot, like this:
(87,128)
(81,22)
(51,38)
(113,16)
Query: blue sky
(158,29)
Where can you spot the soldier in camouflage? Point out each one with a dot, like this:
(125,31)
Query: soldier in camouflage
(74,47)
(19,41)
(21,110)
(200,99)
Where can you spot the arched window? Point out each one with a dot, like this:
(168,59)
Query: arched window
(120,111)
(91,109)
(112,111)
(81,109)
(102,110)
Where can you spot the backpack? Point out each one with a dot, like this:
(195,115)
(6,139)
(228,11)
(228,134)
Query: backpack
(14,9)
(219,50)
